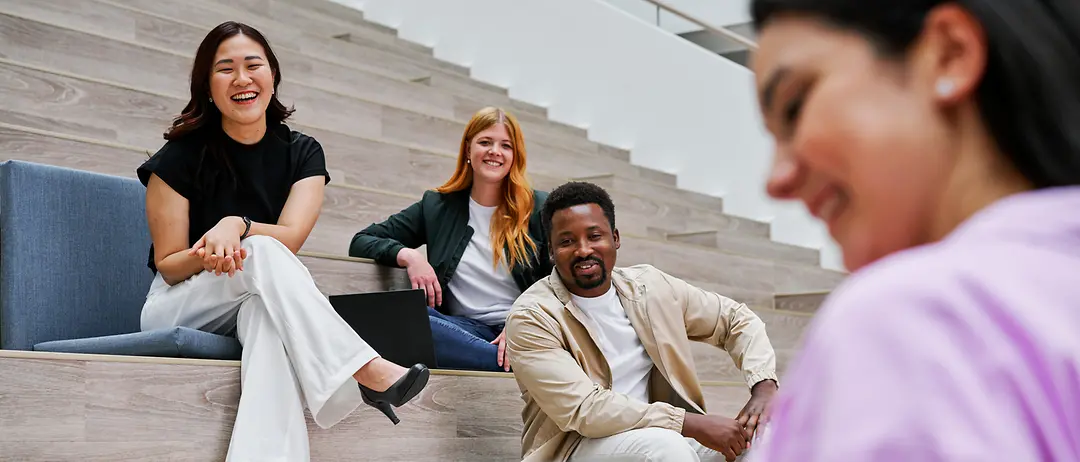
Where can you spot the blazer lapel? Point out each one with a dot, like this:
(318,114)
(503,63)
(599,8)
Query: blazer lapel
(634,297)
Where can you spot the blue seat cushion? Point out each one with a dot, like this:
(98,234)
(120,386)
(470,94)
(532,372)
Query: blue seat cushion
(173,342)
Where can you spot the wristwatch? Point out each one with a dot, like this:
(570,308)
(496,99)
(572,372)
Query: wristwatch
(247,227)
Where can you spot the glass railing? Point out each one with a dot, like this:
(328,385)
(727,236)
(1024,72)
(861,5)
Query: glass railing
(733,42)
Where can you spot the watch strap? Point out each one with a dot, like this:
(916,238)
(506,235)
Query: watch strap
(247,228)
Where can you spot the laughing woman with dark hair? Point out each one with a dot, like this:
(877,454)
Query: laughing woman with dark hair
(230,199)
(939,142)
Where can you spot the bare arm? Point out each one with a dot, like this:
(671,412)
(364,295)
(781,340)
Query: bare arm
(167,215)
(298,217)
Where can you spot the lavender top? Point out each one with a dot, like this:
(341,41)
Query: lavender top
(963,350)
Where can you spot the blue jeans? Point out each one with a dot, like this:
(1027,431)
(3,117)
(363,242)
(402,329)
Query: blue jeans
(463,343)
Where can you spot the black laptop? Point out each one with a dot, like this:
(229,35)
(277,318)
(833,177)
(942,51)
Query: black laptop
(394,323)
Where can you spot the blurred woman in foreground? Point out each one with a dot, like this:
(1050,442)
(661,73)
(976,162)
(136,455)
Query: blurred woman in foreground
(939,142)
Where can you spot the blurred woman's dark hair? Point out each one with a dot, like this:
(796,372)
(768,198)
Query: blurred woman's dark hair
(1029,96)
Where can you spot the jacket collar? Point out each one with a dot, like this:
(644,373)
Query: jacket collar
(627,288)
(631,294)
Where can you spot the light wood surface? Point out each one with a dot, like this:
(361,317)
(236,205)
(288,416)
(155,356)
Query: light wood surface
(805,303)
(675,195)
(85,107)
(347,112)
(318,57)
(744,245)
(109,410)
(347,210)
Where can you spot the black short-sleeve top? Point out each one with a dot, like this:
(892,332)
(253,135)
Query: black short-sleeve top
(221,177)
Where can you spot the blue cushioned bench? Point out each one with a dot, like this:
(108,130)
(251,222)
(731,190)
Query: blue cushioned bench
(73,275)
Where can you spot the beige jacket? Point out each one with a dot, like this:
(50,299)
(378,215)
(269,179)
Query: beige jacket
(566,382)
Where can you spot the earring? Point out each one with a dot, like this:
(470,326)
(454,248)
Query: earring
(468,161)
(211,99)
(944,88)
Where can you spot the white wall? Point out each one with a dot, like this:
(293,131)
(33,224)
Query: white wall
(676,106)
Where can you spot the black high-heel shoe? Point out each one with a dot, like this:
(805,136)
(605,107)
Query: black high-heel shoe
(405,389)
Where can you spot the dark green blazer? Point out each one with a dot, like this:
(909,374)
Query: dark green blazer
(441,221)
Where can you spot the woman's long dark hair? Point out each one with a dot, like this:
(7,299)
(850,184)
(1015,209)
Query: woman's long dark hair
(1029,96)
(201,115)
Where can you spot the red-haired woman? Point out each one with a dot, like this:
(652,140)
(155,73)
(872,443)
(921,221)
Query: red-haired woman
(485,244)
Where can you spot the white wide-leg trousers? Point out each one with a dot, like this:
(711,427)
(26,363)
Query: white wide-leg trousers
(297,349)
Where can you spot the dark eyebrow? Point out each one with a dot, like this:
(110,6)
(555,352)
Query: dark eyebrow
(246,58)
(768,92)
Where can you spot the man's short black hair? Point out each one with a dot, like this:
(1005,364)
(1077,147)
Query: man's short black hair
(577,193)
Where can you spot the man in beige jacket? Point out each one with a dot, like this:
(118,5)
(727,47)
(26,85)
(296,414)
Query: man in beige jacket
(602,354)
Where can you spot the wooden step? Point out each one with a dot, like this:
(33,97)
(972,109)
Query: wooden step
(348,210)
(807,302)
(674,195)
(342,275)
(37,145)
(335,273)
(347,113)
(748,246)
(469,97)
(94,109)
(107,408)
(198,18)
(363,31)
(328,24)
(303,18)
(181,40)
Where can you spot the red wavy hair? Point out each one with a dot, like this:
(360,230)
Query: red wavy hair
(510,224)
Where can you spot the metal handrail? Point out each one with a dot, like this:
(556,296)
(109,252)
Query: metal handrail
(714,29)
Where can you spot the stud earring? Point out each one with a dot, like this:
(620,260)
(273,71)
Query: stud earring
(211,99)
(945,87)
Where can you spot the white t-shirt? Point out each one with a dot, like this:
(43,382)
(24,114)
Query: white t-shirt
(630,364)
(478,290)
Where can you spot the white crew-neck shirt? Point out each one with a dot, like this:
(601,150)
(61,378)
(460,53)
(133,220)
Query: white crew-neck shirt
(630,364)
(479,290)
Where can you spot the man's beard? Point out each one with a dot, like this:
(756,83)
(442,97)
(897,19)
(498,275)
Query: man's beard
(588,284)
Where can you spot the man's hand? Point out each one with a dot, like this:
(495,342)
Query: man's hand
(756,410)
(720,434)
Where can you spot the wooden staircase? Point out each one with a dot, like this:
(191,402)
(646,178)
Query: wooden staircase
(93,84)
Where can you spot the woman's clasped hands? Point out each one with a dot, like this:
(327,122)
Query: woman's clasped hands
(220,248)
